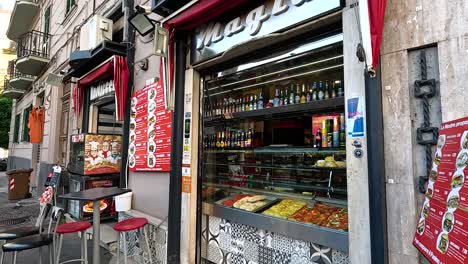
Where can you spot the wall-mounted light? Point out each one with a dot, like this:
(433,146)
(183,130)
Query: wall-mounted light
(141,22)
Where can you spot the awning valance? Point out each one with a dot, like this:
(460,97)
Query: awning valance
(117,69)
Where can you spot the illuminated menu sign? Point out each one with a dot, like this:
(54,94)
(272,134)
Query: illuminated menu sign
(442,230)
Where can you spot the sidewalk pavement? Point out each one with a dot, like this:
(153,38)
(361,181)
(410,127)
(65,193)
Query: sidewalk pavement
(27,210)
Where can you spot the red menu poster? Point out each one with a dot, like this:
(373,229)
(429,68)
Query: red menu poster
(442,230)
(150,130)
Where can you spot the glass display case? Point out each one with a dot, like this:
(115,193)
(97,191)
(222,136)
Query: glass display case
(274,137)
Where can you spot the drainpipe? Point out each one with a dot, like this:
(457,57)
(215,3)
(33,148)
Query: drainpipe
(128,11)
(376,168)
(175,183)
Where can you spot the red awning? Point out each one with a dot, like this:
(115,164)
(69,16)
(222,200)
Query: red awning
(115,68)
(372,13)
(202,12)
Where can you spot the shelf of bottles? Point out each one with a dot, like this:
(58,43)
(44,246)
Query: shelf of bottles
(307,96)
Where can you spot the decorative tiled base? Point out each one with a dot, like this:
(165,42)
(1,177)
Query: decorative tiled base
(157,241)
(225,242)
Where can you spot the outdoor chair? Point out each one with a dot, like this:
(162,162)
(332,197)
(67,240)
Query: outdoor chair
(11,233)
(36,241)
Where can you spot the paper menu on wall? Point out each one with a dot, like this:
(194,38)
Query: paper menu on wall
(150,130)
(442,229)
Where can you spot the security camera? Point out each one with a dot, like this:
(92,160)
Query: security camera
(141,9)
(63,72)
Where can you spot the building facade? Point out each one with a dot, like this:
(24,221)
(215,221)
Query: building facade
(427,38)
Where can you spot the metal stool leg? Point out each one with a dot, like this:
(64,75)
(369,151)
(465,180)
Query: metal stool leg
(82,245)
(51,254)
(148,245)
(59,249)
(125,246)
(85,248)
(40,255)
(15,254)
(118,247)
(2,257)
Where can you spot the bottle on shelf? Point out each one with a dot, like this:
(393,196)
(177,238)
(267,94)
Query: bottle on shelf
(314,91)
(242,139)
(260,101)
(329,133)
(255,103)
(276,99)
(222,140)
(218,140)
(342,131)
(309,93)
(286,97)
(281,97)
(339,89)
(336,133)
(303,94)
(320,94)
(333,91)
(291,95)
(318,139)
(248,142)
(252,104)
(327,91)
(297,97)
(324,133)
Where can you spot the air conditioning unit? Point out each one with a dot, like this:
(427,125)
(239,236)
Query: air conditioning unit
(94,32)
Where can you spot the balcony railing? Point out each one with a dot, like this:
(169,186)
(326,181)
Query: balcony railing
(13,72)
(34,43)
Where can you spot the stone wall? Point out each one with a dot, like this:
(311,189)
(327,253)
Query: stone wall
(440,28)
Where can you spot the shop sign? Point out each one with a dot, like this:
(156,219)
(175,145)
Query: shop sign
(442,227)
(274,15)
(101,89)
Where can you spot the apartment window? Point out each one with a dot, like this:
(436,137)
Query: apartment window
(47,21)
(70,4)
(25,131)
(17,128)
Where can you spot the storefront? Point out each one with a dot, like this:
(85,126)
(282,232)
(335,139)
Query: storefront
(278,171)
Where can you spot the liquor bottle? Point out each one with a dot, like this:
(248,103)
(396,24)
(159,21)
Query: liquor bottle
(342,131)
(255,102)
(314,91)
(247,103)
(303,94)
(333,92)
(248,143)
(281,97)
(336,133)
(329,133)
(252,103)
(276,99)
(227,143)
(309,93)
(324,133)
(327,91)
(221,141)
(340,91)
(291,95)
(297,98)
(321,94)
(260,101)
(318,139)
(242,139)
(286,97)
(218,140)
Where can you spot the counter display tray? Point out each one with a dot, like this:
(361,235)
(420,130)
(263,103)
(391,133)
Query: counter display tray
(270,201)
(324,236)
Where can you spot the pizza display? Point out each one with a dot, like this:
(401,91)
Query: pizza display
(323,215)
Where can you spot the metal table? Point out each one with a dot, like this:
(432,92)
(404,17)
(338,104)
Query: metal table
(95,195)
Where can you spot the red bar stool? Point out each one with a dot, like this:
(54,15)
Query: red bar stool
(133,224)
(69,228)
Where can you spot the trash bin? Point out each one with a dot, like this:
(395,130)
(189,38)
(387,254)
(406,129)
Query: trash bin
(18,183)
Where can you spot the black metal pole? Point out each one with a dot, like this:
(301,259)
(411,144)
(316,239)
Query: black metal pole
(128,39)
(175,182)
(376,168)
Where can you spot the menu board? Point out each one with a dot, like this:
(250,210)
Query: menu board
(150,130)
(442,229)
